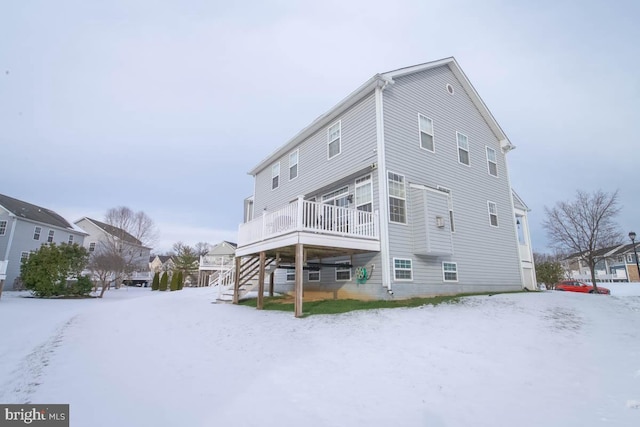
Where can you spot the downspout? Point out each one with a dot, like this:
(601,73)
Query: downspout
(382,186)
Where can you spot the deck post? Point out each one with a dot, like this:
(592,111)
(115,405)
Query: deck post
(236,282)
(260,304)
(299,276)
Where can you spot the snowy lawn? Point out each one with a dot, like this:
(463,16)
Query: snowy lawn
(142,358)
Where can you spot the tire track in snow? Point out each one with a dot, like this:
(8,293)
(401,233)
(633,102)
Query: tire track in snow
(25,379)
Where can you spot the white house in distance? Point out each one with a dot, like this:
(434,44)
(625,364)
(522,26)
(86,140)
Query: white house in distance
(400,190)
(24,227)
(216,267)
(134,251)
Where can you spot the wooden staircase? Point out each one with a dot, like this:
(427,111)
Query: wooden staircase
(248,278)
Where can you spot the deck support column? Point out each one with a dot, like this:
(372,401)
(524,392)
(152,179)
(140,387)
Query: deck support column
(236,282)
(263,258)
(299,277)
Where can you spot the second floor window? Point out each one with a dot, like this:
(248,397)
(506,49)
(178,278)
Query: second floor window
(397,198)
(426,133)
(71,239)
(3,227)
(36,233)
(492,162)
(463,148)
(92,246)
(493,214)
(50,238)
(275,176)
(364,194)
(334,137)
(293,165)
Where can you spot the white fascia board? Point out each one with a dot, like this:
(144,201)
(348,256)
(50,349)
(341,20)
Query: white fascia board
(321,121)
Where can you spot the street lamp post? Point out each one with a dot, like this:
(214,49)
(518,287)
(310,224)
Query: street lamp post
(632,236)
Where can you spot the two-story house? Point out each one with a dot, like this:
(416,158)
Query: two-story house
(213,268)
(402,189)
(106,237)
(24,227)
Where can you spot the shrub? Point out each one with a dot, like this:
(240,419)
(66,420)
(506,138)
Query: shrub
(180,280)
(174,281)
(163,281)
(55,270)
(155,284)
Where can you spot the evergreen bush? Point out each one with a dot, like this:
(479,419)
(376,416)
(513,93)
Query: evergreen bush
(155,284)
(174,282)
(163,281)
(180,280)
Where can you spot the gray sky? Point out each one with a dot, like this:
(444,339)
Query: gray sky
(164,105)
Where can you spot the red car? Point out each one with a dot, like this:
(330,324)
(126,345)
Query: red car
(575,286)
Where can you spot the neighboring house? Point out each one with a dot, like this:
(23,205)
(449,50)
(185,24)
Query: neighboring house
(401,189)
(614,264)
(23,229)
(161,263)
(101,235)
(216,266)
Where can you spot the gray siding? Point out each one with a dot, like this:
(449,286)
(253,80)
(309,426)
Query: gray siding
(23,241)
(315,170)
(429,238)
(486,256)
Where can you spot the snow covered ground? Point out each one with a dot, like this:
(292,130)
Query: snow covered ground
(142,358)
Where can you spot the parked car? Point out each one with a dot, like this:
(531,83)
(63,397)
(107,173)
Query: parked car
(575,286)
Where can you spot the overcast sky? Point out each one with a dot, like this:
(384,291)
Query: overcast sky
(164,105)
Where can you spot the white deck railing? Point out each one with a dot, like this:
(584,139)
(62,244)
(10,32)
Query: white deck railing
(216,262)
(303,215)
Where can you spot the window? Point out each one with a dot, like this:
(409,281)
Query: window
(492,162)
(450,271)
(343,272)
(50,238)
(3,227)
(493,214)
(275,176)
(36,233)
(314,275)
(397,198)
(293,165)
(92,246)
(402,269)
(426,133)
(24,256)
(291,275)
(463,148)
(71,239)
(333,136)
(364,194)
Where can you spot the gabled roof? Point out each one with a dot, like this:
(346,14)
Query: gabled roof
(381,80)
(163,258)
(114,231)
(33,212)
(518,202)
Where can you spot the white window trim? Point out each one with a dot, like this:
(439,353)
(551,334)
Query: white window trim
(432,134)
(3,231)
(365,180)
(94,246)
(296,164)
(468,149)
(24,255)
(339,139)
(489,203)
(39,233)
(489,162)
(410,269)
(288,270)
(444,279)
(406,210)
(309,276)
(273,167)
(343,270)
(51,236)
(70,241)
(452,221)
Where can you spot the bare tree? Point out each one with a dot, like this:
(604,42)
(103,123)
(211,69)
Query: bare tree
(123,248)
(186,259)
(202,248)
(584,225)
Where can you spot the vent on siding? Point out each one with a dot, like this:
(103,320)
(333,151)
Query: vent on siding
(450,89)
